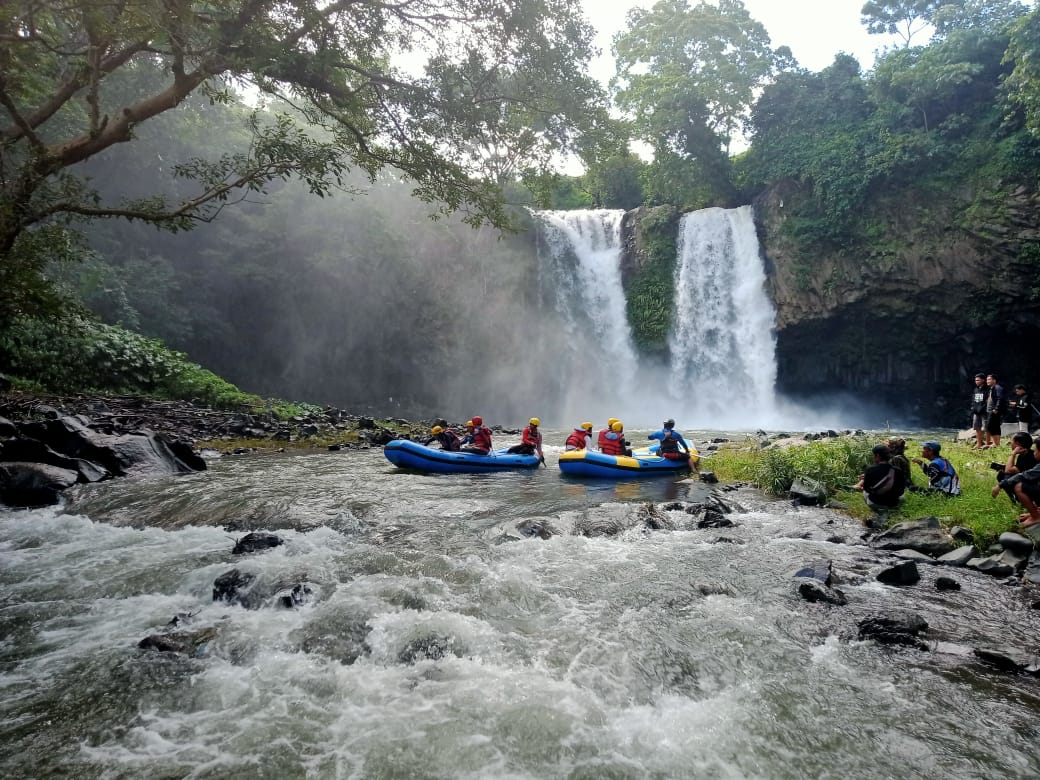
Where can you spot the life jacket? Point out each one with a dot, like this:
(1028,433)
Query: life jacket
(602,437)
(482,438)
(669,443)
(577,439)
(533,438)
(613,446)
(449,440)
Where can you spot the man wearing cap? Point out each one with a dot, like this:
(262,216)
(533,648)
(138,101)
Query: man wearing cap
(671,440)
(942,476)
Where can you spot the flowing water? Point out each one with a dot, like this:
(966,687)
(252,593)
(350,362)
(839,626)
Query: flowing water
(439,641)
(723,346)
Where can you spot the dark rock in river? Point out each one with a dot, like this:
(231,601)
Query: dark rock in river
(1009,659)
(535,529)
(992,565)
(7,428)
(709,477)
(32,451)
(904,573)
(958,557)
(230,586)
(255,542)
(190,643)
(946,583)
(817,570)
(33,484)
(601,525)
(651,517)
(808,492)
(813,591)
(894,631)
(1016,544)
(924,535)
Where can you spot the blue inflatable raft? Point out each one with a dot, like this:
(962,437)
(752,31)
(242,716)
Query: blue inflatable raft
(411,455)
(642,463)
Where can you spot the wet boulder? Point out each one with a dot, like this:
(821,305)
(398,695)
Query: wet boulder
(821,571)
(256,542)
(426,648)
(33,484)
(7,428)
(991,565)
(31,451)
(904,573)
(600,525)
(190,643)
(709,477)
(654,519)
(946,583)
(1009,659)
(231,586)
(813,592)
(1016,544)
(808,492)
(535,529)
(958,557)
(894,631)
(924,535)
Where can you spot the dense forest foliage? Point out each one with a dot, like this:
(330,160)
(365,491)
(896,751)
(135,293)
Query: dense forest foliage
(308,156)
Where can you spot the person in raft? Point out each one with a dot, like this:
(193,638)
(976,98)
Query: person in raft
(882,484)
(602,436)
(614,443)
(942,476)
(530,441)
(446,437)
(671,440)
(477,438)
(577,439)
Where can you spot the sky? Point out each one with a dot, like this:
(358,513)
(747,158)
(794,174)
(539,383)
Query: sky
(815,30)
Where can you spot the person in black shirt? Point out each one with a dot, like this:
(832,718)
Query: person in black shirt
(977,406)
(1020,408)
(882,484)
(1021,459)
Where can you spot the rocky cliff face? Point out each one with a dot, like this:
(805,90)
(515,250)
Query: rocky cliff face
(945,289)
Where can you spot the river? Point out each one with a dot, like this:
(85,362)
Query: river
(437,641)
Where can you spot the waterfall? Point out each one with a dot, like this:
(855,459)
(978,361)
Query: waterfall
(723,346)
(581,279)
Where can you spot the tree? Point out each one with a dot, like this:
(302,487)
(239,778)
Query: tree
(905,18)
(79,79)
(954,15)
(1023,84)
(714,57)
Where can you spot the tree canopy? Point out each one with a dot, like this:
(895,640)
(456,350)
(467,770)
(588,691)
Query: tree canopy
(454,94)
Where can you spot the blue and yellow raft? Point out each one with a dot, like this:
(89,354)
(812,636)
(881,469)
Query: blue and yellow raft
(412,455)
(642,463)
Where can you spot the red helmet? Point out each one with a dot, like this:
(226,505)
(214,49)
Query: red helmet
(478,421)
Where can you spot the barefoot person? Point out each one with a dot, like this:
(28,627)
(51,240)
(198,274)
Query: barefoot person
(1025,486)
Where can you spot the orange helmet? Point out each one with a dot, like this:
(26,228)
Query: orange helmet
(478,421)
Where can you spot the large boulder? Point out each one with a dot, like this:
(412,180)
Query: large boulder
(132,453)
(895,631)
(925,535)
(33,484)
(23,450)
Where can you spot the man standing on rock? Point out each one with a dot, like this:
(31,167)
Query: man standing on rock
(996,406)
(978,411)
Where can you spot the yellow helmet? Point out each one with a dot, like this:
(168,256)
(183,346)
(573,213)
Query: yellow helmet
(611,421)
(469,423)
(616,426)
(436,430)
(587,426)
(535,421)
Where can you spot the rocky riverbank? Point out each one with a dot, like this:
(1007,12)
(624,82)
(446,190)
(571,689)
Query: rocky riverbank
(49,443)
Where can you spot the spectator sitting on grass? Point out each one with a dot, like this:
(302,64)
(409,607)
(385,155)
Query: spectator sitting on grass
(1021,459)
(1025,486)
(882,484)
(942,476)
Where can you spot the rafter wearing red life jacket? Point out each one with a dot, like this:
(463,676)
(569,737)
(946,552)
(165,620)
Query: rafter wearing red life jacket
(602,437)
(613,446)
(576,441)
